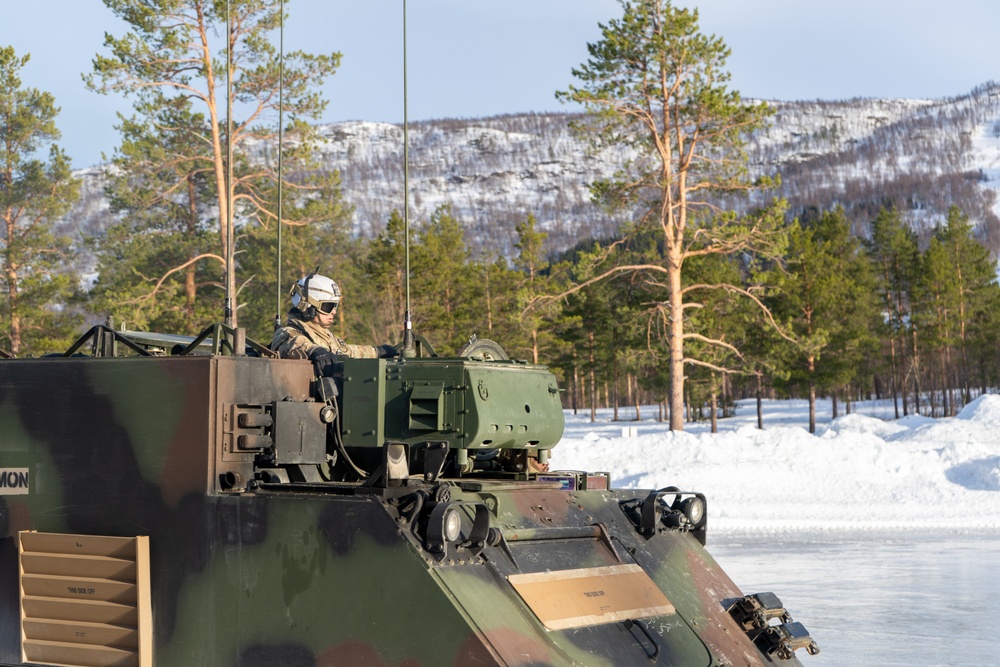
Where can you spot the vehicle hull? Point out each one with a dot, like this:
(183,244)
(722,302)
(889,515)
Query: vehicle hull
(321,573)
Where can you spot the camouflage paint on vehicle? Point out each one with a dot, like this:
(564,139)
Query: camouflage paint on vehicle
(265,551)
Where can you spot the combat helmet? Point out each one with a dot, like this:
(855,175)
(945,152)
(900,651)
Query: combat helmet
(315,293)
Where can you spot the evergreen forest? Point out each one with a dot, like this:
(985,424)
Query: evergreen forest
(712,287)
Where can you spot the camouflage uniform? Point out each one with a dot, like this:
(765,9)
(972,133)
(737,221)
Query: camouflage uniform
(299,338)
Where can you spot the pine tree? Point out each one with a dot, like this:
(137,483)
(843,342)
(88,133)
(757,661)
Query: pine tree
(500,306)
(450,295)
(956,288)
(175,150)
(716,348)
(657,86)
(305,247)
(825,299)
(605,322)
(152,268)
(893,251)
(34,192)
(385,281)
(535,280)
(448,291)
(976,279)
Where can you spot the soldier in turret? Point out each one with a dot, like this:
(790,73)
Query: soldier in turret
(307,335)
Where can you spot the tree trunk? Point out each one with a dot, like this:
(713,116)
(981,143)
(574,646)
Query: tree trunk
(893,367)
(950,382)
(715,410)
(943,379)
(676,344)
(638,398)
(902,341)
(615,382)
(760,403)
(812,394)
(593,380)
(964,380)
(15,320)
(576,385)
(489,309)
(916,374)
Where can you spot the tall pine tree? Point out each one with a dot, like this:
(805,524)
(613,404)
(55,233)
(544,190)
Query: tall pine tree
(36,188)
(825,299)
(956,289)
(894,254)
(173,63)
(657,85)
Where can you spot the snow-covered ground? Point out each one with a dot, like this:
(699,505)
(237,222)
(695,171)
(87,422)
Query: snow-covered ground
(860,472)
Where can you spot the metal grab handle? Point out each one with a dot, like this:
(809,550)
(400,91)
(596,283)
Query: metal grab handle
(629,624)
(553,533)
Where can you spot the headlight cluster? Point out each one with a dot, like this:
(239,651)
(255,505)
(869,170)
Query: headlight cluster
(455,526)
(671,508)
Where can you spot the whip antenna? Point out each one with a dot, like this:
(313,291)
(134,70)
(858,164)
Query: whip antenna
(281,136)
(409,349)
(228,313)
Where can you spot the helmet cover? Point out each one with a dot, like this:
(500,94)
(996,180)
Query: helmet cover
(316,291)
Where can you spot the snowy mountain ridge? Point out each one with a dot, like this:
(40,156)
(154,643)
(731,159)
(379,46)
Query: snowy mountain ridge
(925,155)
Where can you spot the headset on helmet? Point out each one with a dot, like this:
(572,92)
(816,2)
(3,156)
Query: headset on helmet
(315,293)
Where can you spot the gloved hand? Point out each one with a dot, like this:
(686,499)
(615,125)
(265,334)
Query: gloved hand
(327,363)
(387,351)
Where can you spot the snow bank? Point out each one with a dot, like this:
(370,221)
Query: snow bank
(858,472)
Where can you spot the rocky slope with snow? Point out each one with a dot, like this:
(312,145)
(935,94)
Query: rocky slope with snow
(924,155)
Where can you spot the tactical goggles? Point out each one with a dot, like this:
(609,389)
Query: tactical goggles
(327,307)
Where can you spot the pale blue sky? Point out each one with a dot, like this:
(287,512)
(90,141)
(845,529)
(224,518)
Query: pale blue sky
(471,58)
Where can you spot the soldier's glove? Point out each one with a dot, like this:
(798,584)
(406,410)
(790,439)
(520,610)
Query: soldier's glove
(326,362)
(387,351)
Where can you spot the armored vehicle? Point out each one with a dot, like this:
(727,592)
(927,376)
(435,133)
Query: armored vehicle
(185,502)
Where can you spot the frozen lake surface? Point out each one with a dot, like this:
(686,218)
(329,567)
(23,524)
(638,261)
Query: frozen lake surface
(893,599)
(880,535)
